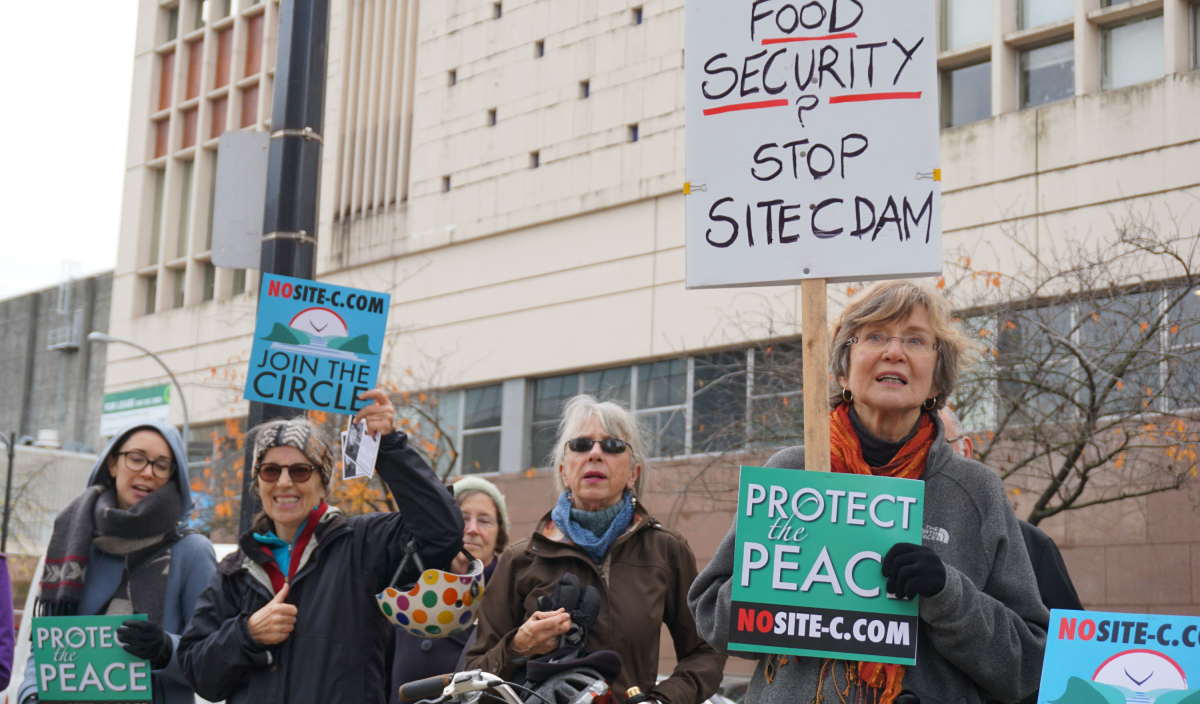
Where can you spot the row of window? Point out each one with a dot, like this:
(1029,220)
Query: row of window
(228,96)
(539,51)
(1131,52)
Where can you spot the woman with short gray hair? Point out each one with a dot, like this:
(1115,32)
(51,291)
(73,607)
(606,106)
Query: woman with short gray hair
(600,532)
(895,356)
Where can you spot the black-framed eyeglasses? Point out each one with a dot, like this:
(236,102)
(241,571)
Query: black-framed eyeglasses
(163,468)
(298,473)
(915,345)
(610,446)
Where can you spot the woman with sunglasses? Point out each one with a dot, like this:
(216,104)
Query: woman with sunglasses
(121,548)
(600,532)
(291,616)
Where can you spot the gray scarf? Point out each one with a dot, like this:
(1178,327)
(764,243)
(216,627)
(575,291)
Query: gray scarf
(142,535)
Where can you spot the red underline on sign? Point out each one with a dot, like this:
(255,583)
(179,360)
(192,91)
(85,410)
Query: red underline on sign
(781,103)
(787,40)
(862,97)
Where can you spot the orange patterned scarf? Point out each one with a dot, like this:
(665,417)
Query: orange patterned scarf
(909,463)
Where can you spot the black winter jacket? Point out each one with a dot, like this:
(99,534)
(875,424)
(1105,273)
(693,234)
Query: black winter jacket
(339,650)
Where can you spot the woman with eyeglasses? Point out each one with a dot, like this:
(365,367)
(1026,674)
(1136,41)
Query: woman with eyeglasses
(485,535)
(895,355)
(600,532)
(291,616)
(122,547)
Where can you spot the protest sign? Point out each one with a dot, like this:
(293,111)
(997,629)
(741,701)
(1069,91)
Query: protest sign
(1094,657)
(808,574)
(812,141)
(147,405)
(78,659)
(316,346)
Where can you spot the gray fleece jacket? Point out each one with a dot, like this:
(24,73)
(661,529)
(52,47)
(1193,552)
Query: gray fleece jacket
(981,638)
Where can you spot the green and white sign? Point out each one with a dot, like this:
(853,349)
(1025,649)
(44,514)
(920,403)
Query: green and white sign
(146,405)
(808,574)
(79,659)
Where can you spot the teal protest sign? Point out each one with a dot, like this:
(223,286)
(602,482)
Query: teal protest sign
(316,345)
(807,575)
(1115,658)
(79,659)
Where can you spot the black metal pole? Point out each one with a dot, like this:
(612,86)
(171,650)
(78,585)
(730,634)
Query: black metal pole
(289,245)
(12,449)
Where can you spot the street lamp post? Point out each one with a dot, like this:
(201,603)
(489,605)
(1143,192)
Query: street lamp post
(11,442)
(101,337)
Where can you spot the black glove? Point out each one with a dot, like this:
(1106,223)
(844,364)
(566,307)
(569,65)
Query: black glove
(146,640)
(913,570)
(907,696)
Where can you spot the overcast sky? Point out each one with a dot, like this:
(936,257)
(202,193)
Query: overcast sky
(65,121)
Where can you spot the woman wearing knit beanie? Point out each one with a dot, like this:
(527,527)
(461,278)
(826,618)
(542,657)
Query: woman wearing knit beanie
(485,535)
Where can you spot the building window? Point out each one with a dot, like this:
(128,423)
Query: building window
(445,184)
(451,77)
(160,186)
(151,294)
(194,69)
(210,281)
(212,200)
(162,137)
(239,281)
(662,405)
(775,375)
(636,15)
(250,106)
(1035,13)
(491,118)
(481,429)
(185,209)
(1047,74)
(539,49)
(1132,52)
(177,281)
(254,43)
(535,160)
(719,402)
(172,23)
(220,111)
(497,10)
(1195,14)
(966,94)
(189,128)
(224,57)
(965,22)
(166,76)
(633,133)
(199,19)
(585,89)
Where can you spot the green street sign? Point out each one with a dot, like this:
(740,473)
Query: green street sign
(145,405)
(807,574)
(79,659)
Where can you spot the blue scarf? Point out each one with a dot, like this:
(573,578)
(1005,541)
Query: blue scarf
(595,546)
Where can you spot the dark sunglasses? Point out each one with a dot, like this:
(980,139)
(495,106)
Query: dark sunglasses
(299,473)
(611,446)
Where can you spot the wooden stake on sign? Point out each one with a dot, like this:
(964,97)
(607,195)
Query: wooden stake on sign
(815,329)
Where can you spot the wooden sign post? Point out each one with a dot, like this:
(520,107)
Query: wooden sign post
(815,331)
(811,156)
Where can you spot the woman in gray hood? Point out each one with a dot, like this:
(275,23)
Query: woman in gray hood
(130,524)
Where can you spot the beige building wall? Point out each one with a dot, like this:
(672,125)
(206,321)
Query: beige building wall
(505,266)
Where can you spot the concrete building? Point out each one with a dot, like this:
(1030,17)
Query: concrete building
(511,173)
(51,377)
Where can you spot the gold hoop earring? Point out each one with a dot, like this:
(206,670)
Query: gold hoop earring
(930,403)
(847,395)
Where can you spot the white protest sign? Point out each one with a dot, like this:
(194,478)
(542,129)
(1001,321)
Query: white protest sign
(812,141)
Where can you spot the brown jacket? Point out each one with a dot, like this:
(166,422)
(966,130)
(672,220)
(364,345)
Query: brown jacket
(643,584)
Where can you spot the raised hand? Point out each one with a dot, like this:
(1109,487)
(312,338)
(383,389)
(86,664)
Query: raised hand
(380,416)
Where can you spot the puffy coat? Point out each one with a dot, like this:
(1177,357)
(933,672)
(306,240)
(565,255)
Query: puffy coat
(643,583)
(339,650)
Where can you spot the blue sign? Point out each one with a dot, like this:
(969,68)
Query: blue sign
(316,346)
(1093,657)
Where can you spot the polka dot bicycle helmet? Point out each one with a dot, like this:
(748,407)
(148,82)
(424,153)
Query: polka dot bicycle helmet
(439,604)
